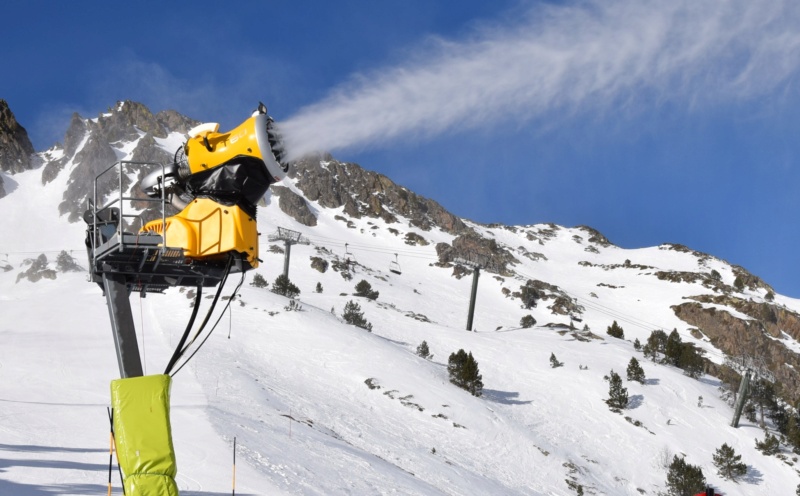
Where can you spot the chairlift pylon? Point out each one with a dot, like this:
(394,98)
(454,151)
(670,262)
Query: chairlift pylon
(394,266)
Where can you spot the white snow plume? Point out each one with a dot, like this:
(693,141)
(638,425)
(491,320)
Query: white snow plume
(594,55)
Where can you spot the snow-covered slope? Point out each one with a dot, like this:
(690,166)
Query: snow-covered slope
(292,385)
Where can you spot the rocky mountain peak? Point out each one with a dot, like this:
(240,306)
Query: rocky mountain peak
(364,193)
(124,122)
(15,146)
(92,145)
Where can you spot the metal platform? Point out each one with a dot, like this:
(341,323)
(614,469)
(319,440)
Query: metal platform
(141,261)
(121,261)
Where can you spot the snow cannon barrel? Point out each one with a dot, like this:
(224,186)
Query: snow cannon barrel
(255,142)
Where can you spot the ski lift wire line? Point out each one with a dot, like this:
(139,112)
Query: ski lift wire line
(624,317)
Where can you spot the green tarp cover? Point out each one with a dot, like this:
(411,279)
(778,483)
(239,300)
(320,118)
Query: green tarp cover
(143,435)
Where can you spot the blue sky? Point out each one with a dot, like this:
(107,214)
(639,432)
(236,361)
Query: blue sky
(650,121)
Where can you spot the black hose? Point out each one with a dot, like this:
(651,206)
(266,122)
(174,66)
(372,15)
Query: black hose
(178,350)
(181,349)
(227,306)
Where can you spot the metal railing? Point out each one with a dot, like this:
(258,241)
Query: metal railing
(120,198)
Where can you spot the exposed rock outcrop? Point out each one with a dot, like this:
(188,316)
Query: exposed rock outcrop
(294,206)
(90,144)
(762,336)
(93,158)
(175,122)
(596,236)
(15,146)
(474,248)
(335,184)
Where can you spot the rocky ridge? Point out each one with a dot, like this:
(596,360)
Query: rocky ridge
(16,149)
(91,145)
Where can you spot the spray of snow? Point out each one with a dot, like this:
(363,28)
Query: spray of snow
(619,55)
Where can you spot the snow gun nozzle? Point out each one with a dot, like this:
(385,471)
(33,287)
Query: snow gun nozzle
(274,137)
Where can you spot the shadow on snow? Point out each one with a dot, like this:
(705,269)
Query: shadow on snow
(504,397)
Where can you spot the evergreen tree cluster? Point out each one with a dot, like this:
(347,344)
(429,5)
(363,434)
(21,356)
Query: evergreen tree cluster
(554,363)
(615,331)
(463,371)
(769,446)
(259,281)
(283,286)
(670,349)
(764,403)
(364,289)
(423,351)
(617,394)
(729,464)
(527,322)
(65,263)
(635,371)
(353,315)
(684,479)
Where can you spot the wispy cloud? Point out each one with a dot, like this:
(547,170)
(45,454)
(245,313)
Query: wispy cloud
(594,55)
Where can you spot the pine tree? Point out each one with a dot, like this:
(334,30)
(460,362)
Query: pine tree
(527,322)
(728,463)
(283,286)
(691,360)
(463,371)
(614,330)
(684,479)
(554,363)
(318,289)
(354,316)
(423,351)
(65,263)
(637,345)
(635,371)
(674,348)
(364,288)
(617,394)
(769,446)
(791,429)
(762,394)
(656,343)
(259,281)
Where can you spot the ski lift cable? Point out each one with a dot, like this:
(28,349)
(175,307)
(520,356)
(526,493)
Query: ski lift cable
(627,318)
(69,250)
(606,310)
(371,247)
(340,242)
(376,249)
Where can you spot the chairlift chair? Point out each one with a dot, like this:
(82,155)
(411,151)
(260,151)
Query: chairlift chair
(349,258)
(394,266)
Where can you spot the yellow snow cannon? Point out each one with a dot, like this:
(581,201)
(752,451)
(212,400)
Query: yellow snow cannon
(217,179)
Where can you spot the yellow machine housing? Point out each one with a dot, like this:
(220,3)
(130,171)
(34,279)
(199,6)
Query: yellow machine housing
(224,175)
(206,229)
